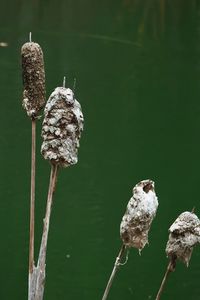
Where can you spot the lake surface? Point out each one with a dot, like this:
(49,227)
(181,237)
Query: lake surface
(137,66)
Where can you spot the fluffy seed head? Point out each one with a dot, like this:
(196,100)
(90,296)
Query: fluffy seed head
(33,79)
(184,234)
(141,210)
(62,127)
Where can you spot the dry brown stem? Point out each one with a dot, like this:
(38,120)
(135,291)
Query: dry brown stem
(115,268)
(37,279)
(32,201)
(170,268)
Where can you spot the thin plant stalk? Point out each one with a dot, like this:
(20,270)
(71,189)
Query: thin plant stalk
(38,280)
(115,268)
(43,246)
(170,269)
(32,200)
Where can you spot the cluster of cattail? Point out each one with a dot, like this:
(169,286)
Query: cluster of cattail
(63,118)
(61,132)
(184,233)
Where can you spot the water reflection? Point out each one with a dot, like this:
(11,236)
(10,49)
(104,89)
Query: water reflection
(128,20)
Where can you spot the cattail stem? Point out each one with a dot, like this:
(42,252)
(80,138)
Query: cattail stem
(64,81)
(52,183)
(32,201)
(38,279)
(43,247)
(115,268)
(170,268)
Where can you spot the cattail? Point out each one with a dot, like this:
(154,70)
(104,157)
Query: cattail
(184,234)
(61,132)
(136,222)
(62,127)
(141,210)
(33,101)
(33,78)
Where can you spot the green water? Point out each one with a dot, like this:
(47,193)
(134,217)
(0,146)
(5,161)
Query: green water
(137,65)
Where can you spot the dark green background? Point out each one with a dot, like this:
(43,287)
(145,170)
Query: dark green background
(137,65)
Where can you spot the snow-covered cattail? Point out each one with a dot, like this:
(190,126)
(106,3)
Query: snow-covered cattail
(62,127)
(184,234)
(33,78)
(141,210)
(136,222)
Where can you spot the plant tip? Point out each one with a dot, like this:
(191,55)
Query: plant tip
(74,85)
(64,81)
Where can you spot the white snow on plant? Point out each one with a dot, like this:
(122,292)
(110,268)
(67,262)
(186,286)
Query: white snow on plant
(140,212)
(184,234)
(62,127)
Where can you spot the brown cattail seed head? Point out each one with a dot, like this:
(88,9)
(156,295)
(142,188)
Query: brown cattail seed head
(33,79)
(62,127)
(184,234)
(141,210)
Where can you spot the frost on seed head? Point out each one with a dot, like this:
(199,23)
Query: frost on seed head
(184,234)
(62,127)
(33,79)
(141,210)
